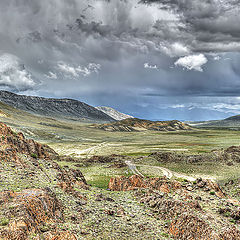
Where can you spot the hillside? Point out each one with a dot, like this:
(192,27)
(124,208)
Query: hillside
(57,108)
(228,123)
(47,196)
(233,118)
(114,113)
(135,124)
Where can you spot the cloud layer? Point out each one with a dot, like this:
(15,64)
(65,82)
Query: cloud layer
(122,53)
(13,74)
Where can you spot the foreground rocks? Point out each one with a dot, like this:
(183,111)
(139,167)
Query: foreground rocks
(33,211)
(179,203)
(30,211)
(185,217)
(43,199)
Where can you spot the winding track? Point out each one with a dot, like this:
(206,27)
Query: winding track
(166,172)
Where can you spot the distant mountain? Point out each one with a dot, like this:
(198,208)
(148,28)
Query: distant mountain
(58,108)
(114,113)
(137,125)
(233,118)
(228,123)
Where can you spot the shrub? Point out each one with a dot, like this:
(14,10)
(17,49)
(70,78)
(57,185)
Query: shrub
(4,222)
(34,155)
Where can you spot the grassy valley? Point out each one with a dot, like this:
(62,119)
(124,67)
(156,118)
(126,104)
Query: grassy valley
(197,160)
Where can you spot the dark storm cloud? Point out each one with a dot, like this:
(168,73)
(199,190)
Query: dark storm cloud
(124,52)
(212,24)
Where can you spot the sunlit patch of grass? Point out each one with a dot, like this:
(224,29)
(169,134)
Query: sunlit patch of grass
(99,181)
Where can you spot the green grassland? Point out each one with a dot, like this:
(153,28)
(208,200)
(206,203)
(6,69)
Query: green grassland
(80,140)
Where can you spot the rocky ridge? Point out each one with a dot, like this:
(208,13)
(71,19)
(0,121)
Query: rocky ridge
(58,108)
(134,125)
(181,204)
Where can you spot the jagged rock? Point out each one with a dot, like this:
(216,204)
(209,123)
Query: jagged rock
(186,218)
(208,184)
(133,182)
(33,207)
(12,144)
(61,235)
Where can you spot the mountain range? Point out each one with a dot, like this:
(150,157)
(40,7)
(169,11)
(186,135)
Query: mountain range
(52,107)
(231,122)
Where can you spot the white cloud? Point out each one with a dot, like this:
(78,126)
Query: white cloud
(13,73)
(147,65)
(79,70)
(192,62)
(51,75)
(217,58)
(178,106)
(68,69)
(175,49)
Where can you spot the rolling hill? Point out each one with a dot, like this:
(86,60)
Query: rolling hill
(228,123)
(135,125)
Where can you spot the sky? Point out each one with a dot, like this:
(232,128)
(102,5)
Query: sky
(153,59)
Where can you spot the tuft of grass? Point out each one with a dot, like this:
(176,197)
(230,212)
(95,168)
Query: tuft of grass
(4,222)
(34,155)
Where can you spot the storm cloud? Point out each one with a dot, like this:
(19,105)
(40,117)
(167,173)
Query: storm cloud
(128,54)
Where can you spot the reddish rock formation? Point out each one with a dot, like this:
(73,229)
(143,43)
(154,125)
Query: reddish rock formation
(61,235)
(13,144)
(186,218)
(32,209)
(130,183)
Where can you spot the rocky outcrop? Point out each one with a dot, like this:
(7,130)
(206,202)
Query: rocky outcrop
(118,161)
(33,209)
(34,212)
(232,154)
(186,219)
(70,178)
(135,125)
(135,182)
(59,235)
(13,144)
(163,185)
(175,157)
